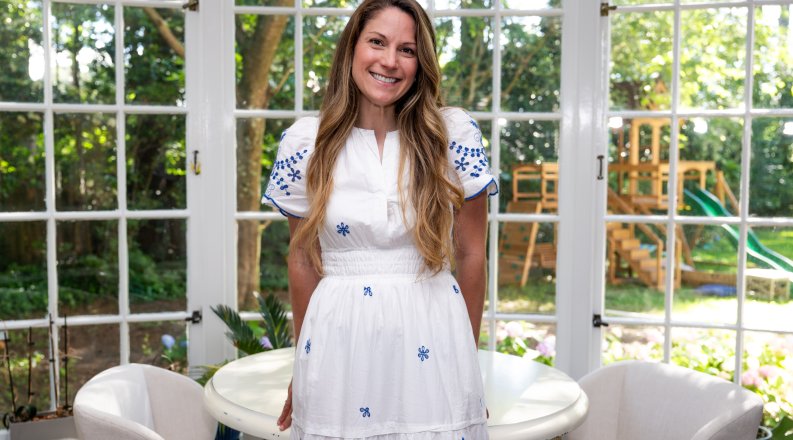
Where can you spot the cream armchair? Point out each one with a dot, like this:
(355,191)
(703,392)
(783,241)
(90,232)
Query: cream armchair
(653,401)
(141,402)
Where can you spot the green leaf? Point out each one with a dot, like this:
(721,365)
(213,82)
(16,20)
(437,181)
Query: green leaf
(240,333)
(276,324)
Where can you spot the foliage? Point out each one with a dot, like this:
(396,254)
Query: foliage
(255,337)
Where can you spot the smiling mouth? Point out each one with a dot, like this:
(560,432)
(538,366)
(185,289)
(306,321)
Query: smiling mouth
(382,78)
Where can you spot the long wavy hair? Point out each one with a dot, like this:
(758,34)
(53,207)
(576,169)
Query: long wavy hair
(422,135)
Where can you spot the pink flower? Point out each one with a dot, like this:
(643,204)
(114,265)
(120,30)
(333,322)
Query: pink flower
(514,329)
(548,346)
(751,378)
(768,371)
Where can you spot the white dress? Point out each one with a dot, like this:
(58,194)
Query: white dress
(385,353)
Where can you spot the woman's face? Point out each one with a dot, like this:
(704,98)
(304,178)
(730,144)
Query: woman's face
(384,64)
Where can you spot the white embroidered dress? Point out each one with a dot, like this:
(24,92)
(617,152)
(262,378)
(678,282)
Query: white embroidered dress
(384,352)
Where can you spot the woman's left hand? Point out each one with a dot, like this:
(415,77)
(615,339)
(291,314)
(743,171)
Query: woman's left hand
(285,420)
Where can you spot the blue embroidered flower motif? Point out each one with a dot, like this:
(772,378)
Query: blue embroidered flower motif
(471,160)
(367,291)
(476,126)
(283,170)
(308,345)
(424,353)
(343,229)
(456,290)
(365,412)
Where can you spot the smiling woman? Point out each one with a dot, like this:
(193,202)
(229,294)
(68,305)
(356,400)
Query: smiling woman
(372,189)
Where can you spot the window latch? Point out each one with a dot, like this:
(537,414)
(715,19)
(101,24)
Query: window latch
(605,8)
(191,5)
(597,321)
(195,318)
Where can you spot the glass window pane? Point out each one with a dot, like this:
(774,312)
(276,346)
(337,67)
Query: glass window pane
(22,354)
(712,59)
(639,2)
(257,146)
(156,159)
(767,361)
(464,4)
(22,56)
(529,164)
(641,67)
(707,262)
(465,47)
(157,265)
(23,270)
(635,269)
(771,184)
(154,56)
(638,165)
(320,37)
(286,3)
(83,39)
(92,349)
(769,278)
(708,351)
(526,264)
(87,267)
(709,166)
(161,343)
(21,162)
(526,339)
(531,59)
(85,162)
(328,3)
(530,4)
(773,57)
(262,262)
(638,343)
(265,61)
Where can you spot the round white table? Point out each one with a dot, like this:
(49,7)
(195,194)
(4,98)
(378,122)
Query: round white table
(527,400)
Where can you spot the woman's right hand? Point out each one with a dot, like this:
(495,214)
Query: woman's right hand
(285,420)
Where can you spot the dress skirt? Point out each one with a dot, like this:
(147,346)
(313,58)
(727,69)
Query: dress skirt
(386,352)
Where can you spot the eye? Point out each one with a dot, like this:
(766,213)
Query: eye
(408,51)
(376,42)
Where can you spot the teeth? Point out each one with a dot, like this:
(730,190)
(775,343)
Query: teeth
(383,78)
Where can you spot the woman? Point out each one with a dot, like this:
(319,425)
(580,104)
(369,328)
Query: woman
(383,192)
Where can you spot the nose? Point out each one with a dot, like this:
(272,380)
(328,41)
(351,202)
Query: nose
(389,58)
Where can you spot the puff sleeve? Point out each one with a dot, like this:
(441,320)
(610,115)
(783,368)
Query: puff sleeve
(467,154)
(286,189)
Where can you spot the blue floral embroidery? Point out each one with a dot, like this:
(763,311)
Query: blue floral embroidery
(308,346)
(471,160)
(343,229)
(285,170)
(424,353)
(456,290)
(367,291)
(365,412)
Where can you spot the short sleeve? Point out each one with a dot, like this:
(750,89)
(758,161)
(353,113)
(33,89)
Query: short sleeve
(467,154)
(286,189)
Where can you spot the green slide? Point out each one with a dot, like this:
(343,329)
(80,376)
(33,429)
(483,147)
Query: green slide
(705,203)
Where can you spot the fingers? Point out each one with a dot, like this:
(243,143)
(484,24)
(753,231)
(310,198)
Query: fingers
(285,420)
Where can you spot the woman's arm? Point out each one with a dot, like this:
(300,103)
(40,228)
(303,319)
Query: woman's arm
(303,279)
(470,229)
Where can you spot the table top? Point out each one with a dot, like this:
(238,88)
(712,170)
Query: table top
(527,400)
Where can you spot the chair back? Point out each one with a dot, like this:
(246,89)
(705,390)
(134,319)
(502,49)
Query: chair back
(141,402)
(655,401)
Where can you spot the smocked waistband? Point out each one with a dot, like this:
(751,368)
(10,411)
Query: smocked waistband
(399,261)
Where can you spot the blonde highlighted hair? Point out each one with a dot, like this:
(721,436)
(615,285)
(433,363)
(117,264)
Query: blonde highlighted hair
(422,135)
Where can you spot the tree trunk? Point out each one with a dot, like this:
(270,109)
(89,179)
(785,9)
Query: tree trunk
(258,57)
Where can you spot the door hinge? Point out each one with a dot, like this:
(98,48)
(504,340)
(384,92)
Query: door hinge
(195,318)
(605,8)
(597,321)
(195,165)
(191,5)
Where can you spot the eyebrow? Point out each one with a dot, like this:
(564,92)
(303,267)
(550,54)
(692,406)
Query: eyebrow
(378,34)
